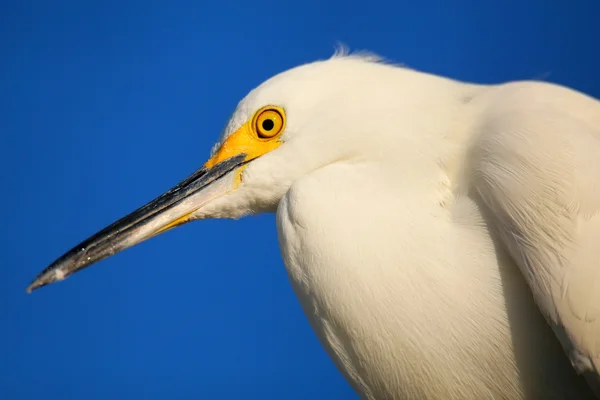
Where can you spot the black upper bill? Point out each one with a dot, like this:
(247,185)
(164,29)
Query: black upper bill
(112,239)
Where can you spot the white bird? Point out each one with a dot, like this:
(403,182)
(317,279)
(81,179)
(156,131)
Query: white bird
(443,237)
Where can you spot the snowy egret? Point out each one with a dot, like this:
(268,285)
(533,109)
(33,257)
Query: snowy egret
(443,237)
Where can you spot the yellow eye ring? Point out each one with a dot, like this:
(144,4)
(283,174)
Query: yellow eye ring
(269,122)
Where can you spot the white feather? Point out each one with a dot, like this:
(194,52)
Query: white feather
(420,217)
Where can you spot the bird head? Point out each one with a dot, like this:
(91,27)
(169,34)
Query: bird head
(345,109)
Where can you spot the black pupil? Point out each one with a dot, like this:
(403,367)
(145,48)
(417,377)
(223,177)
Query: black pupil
(268,124)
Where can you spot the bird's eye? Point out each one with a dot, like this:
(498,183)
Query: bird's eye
(269,123)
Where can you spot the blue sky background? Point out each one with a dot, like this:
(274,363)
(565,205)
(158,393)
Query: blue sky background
(104,105)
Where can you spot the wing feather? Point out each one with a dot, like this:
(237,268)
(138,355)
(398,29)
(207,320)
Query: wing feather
(535,164)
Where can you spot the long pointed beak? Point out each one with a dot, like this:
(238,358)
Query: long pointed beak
(171,209)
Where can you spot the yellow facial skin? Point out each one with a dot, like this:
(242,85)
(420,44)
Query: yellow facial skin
(256,137)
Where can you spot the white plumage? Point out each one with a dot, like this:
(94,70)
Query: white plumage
(419,218)
(408,207)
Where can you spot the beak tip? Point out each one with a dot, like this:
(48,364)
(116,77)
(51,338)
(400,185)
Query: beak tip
(45,278)
(34,285)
